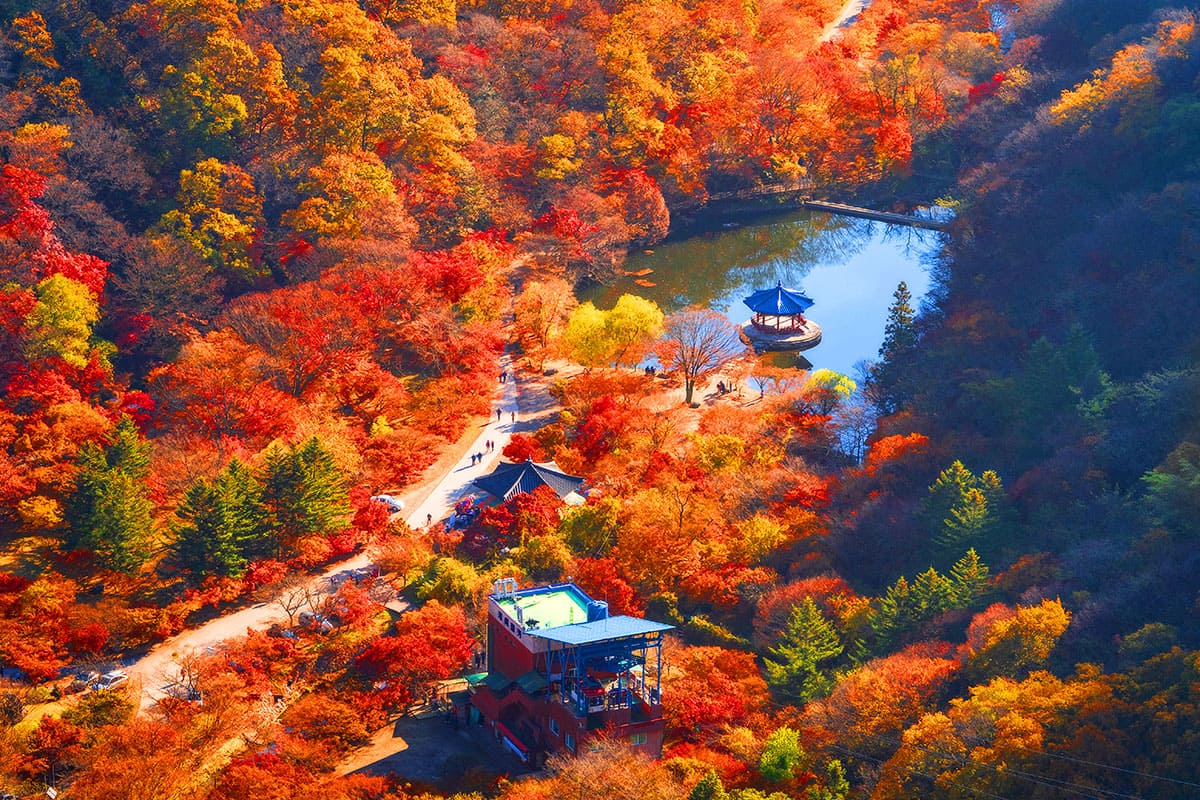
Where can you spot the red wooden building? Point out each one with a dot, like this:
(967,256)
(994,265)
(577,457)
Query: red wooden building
(561,670)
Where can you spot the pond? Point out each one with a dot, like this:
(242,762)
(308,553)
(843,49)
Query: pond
(849,267)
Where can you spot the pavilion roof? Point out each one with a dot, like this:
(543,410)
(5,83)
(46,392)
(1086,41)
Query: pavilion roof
(779,301)
(525,476)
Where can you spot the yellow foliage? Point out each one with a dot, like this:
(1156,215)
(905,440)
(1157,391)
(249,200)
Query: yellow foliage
(60,324)
(719,452)
(556,157)
(759,536)
(1020,641)
(1130,84)
(40,513)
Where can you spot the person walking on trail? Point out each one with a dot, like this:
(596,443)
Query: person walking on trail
(512,416)
(428,520)
(497,415)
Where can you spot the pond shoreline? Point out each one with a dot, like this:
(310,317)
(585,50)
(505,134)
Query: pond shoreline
(850,267)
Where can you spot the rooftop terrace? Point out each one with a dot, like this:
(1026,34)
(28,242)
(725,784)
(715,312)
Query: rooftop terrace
(549,606)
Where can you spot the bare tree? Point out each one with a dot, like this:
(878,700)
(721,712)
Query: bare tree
(855,422)
(299,595)
(698,342)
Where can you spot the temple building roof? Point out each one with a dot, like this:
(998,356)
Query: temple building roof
(513,479)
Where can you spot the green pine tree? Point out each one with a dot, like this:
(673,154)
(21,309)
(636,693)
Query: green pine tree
(794,666)
(304,492)
(129,452)
(967,523)
(890,618)
(898,346)
(970,578)
(221,524)
(835,787)
(948,492)
(963,510)
(109,512)
(932,594)
(241,496)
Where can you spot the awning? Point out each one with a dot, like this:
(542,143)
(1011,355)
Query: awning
(512,742)
(532,682)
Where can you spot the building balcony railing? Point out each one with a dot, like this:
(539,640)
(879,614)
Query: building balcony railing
(637,700)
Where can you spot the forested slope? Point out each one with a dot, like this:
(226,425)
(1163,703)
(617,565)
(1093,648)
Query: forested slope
(254,263)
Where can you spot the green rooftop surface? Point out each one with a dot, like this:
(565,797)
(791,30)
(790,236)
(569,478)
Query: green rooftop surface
(551,609)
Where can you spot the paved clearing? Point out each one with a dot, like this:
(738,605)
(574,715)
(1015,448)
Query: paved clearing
(431,750)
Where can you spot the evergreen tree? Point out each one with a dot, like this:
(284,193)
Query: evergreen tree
(108,512)
(970,578)
(948,492)
(906,607)
(128,451)
(898,347)
(963,510)
(304,492)
(199,544)
(808,640)
(1001,514)
(222,524)
(932,594)
(967,522)
(890,618)
(836,787)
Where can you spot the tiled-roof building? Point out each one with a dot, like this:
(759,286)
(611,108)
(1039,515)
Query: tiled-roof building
(560,670)
(509,480)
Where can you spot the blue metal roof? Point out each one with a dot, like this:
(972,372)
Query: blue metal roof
(599,631)
(779,302)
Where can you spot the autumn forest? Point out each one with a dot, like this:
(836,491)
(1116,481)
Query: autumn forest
(261,261)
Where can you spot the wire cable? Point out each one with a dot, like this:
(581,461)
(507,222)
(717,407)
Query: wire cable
(1071,787)
(1139,773)
(911,771)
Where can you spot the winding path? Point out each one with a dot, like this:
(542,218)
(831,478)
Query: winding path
(851,9)
(158,667)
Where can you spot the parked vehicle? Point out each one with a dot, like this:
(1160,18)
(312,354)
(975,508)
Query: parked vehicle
(314,622)
(81,680)
(111,680)
(394,504)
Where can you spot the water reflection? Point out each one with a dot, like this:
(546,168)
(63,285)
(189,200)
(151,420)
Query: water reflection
(850,267)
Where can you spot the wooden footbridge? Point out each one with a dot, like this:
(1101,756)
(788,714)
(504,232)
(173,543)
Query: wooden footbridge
(798,194)
(890,217)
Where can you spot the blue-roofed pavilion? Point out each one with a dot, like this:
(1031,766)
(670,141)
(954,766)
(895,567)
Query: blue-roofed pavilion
(779,309)
(778,322)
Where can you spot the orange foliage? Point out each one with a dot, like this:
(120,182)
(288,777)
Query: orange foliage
(893,448)
(884,696)
(600,579)
(708,688)
(726,587)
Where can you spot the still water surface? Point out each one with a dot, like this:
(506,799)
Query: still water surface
(849,267)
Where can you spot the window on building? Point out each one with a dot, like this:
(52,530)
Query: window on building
(570,742)
(637,738)
(554,727)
